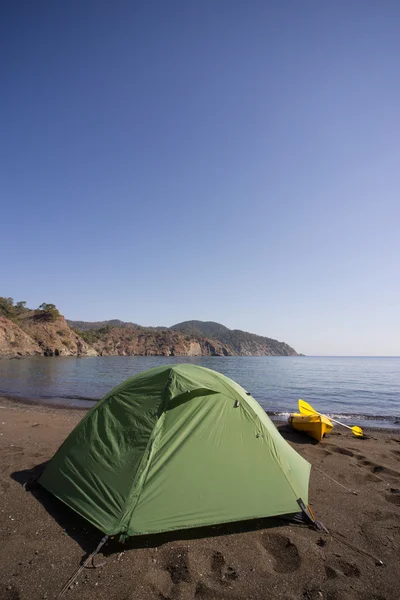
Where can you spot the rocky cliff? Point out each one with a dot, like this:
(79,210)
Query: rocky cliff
(237,342)
(192,338)
(43,331)
(14,341)
(38,332)
(54,338)
(129,341)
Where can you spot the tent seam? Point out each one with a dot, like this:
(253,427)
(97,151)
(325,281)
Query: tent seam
(274,454)
(145,462)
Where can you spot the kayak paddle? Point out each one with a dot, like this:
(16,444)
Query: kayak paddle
(307,409)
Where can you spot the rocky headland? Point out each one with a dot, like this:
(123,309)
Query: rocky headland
(45,332)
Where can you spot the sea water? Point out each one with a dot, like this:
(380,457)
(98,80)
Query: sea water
(363,391)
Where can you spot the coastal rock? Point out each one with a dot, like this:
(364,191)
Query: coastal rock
(191,338)
(54,337)
(14,341)
(194,349)
(44,331)
(29,336)
(132,341)
(234,342)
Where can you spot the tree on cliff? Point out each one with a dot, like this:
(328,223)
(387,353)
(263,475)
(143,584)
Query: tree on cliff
(48,312)
(9,309)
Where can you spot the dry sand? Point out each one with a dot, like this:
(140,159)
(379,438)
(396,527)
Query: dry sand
(42,542)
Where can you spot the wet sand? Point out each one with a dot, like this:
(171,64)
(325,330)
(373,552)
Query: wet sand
(43,542)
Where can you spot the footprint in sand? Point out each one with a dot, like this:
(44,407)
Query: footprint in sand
(386,471)
(219,567)
(349,569)
(373,478)
(222,575)
(342,567)
(363,477)
(392,474)
(319,452)
(393,496)
(178,565)
(205,592)
(285,554)
(315,593)
(343,451)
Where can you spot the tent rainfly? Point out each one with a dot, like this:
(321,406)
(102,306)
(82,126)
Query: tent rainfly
(175,447)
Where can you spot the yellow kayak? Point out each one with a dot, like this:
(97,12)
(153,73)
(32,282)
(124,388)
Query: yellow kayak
(316,426)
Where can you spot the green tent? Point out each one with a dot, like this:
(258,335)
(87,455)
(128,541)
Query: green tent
(174,447)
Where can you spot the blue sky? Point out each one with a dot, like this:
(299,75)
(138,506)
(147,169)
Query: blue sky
(228,161)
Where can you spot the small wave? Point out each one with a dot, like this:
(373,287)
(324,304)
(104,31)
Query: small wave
(344,417)
(340,416)
(391,418)
(69,397)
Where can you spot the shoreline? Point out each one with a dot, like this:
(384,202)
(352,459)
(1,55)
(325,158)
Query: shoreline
(353,394)
(43,541)
(38,403)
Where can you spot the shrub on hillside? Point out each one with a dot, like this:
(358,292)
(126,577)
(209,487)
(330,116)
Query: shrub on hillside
(47,312)
(9,309)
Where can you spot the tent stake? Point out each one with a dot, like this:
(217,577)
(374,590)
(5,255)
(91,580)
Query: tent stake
(308,513)
(89,558)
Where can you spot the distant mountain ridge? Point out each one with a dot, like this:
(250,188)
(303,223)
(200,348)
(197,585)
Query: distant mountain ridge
(206,337)
(87,325)
(207,328)
(44,331)
(242,343)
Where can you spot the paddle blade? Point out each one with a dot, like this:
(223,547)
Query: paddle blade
(357,431)
(306,409)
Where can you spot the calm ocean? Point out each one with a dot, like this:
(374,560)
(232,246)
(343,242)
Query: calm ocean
(361,390)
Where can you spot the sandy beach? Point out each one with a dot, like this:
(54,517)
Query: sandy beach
(43,542)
